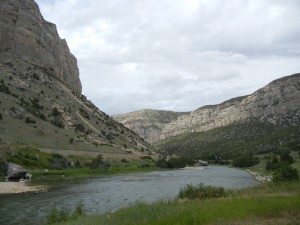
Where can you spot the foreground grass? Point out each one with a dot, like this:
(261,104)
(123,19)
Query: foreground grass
(267,201)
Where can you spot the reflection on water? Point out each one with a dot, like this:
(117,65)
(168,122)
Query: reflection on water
(109,193)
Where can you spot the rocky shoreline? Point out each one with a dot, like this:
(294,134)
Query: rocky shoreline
(259,176)
(9,188)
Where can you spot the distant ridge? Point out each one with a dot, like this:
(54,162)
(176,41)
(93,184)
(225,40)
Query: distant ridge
(277,103)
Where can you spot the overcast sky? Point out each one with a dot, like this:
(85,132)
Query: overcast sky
(176,54)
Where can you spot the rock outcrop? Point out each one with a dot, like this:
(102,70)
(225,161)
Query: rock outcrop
(28,41)
(15,171)
(277,103)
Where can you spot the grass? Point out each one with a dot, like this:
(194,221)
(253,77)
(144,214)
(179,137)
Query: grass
(86,172)
(201,192)
(263,202)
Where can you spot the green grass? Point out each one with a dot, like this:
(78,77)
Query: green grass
(201,192)
(266,201)
(86,172)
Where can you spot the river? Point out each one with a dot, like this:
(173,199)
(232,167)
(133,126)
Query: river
(109,193)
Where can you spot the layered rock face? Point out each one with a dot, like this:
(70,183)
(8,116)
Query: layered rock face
(148,123)
(27,40)
(278,103)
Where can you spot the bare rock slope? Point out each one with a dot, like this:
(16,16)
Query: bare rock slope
(277,103)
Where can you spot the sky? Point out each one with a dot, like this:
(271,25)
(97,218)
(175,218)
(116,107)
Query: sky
(176,54)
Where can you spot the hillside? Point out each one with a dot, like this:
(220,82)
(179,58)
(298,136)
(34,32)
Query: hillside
(40,90)
(277,103)
(148,123)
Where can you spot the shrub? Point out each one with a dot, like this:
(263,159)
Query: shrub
(146,157)
(55,112)
(1,117)
(79,127)
(71,140)
(84,113)
(285,173)
(29,120)
(100,163)
(172,163)
(59,162)
(245,161)
(57,121)
(201,192)
(124,160)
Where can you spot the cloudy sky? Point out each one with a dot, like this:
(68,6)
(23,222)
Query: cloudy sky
(177,54)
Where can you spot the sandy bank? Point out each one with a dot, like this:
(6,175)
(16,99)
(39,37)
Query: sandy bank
(7,188)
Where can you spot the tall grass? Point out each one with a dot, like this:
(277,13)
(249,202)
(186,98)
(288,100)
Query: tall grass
(201,192)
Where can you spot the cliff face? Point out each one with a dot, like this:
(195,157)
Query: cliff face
(40,91)
(278,103)
(148,123)
(27,40)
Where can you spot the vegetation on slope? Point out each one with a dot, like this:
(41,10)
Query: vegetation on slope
(37,109)
(228,142)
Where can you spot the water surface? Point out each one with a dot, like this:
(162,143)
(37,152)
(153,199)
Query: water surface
(109,193)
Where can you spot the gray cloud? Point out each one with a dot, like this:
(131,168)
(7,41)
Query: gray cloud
(177,54)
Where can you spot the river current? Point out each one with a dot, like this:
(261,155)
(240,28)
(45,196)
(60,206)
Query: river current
(109,193)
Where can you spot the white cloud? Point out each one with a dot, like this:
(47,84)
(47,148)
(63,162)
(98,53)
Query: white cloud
(177,54)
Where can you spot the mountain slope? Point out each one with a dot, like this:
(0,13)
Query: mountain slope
(148,123)
(40,91)
(277,103)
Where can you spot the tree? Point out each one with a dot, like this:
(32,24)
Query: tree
(245,161)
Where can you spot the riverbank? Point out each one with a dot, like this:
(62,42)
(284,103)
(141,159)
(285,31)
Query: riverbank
(268,203)
(9,188)
(260,177)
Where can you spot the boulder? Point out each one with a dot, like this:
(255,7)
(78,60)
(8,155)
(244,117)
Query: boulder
(15,171)
(202,163)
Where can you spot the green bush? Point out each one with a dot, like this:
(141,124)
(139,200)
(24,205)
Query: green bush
(29,120)
(55,112)
(245,161)
(201,192)
(100,163)
(59,162)
(285,173)
(172,163)
(79,127)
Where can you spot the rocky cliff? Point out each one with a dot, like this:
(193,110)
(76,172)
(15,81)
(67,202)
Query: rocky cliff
(277,103)
(40,92)
(27,40)
(148,123)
